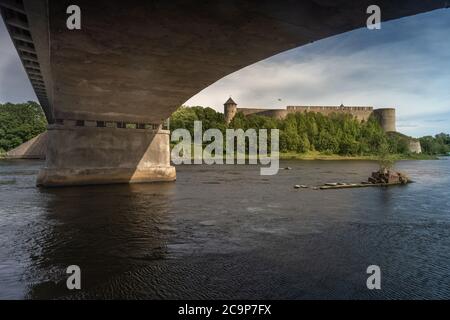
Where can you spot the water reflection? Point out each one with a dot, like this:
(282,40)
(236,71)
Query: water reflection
(105,230)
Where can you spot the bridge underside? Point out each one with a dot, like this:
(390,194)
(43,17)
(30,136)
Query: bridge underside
(135,62)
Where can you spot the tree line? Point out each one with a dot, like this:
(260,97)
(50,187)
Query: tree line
(302,132)
(437,145)
(20,123)
(299,132)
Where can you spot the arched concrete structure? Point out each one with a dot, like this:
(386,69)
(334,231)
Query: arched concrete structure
(136,61)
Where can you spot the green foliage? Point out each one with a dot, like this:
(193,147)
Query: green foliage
(340,134)
(184,118)
(335,134)
(437,145)
(398,143)
(348,145)
(299,132)
(385,158)
(20,123)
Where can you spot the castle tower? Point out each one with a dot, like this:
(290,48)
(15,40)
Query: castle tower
(230,110)
(386,117)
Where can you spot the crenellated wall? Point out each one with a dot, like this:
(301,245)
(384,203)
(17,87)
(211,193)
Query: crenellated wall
(272,113)
(386,116)
(361,113)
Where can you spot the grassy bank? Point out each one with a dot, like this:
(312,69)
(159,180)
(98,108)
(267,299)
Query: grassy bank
(315,155)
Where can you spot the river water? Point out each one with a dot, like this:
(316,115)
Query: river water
(227,232)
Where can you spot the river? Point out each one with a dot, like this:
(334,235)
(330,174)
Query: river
(227,232)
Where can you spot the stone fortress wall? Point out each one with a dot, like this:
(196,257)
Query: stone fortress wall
(415,146)
(361,113)
(386,116)
(272,113)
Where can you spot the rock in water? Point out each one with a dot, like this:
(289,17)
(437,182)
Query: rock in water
(388,177)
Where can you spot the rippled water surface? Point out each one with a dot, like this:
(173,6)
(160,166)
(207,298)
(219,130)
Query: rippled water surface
(227,232)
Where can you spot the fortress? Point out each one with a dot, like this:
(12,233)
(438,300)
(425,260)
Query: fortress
(386,116)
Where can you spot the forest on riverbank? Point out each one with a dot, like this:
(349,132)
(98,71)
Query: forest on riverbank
(302,135)
(315,136)
(20,123)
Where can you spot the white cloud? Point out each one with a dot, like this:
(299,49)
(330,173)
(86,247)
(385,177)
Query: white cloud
(14,84)
(406,68)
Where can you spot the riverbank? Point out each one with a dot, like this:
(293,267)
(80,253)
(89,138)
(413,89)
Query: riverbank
(315,155)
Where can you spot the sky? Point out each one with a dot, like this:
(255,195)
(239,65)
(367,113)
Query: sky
(405,65)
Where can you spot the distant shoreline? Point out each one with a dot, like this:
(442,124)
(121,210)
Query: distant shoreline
(333,157)
(314,155)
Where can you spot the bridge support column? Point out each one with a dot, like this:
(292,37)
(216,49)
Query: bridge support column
(93,155)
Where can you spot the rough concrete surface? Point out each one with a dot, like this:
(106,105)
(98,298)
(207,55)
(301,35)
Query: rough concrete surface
(32,149)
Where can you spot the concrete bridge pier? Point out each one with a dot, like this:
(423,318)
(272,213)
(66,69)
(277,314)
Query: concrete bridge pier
(85,155)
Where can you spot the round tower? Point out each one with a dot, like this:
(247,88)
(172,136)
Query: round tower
(386,117)
(230,110)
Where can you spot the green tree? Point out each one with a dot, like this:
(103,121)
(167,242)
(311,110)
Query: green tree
(327,143)
(303,143)
(348,145)
(184,118)
(437,145)
(300,132)
(20,123)
(385,159)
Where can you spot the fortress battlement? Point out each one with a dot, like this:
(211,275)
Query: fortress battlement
(332,108)
(385,116)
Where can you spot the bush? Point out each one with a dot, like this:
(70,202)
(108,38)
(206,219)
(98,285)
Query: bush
(437,145)
(20,123)
(301,132)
